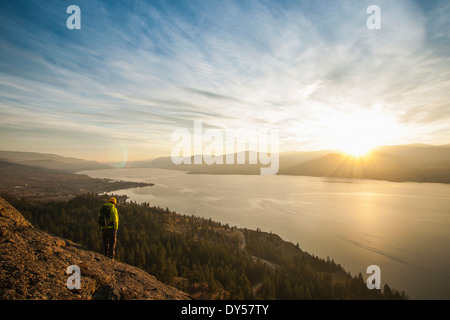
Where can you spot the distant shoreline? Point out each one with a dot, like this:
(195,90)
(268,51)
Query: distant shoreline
(354,179)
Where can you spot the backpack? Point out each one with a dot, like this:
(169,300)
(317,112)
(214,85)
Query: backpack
(104,219)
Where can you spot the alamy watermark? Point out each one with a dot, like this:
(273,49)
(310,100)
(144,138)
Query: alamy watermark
(214,146)
(74,21)
(374,21)
(74,281)
(374,281)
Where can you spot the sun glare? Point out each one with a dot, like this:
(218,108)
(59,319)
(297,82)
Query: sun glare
(357,150)
(358,133)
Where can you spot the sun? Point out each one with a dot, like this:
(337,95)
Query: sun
(357,149)
(359,132)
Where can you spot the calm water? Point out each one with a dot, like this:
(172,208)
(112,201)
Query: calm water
(404,228)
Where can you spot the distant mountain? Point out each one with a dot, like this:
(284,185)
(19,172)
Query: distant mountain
(50,161)
(417,162)
(413,162)
(162,162)
(286,159)
(166,163)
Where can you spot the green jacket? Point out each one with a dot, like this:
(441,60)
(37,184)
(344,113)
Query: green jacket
(114,216)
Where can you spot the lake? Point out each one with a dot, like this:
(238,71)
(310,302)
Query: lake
(404,228)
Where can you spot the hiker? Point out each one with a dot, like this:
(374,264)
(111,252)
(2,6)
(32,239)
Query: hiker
(109,223)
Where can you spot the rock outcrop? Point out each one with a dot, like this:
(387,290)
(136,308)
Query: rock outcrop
(34,263)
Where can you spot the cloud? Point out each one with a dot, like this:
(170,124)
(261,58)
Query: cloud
(140,70)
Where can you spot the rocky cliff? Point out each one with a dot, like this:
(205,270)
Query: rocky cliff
(34,263)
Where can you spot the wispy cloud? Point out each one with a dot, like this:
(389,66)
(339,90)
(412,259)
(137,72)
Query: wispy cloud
(138,70)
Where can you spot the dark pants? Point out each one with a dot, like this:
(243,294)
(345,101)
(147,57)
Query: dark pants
(109,241)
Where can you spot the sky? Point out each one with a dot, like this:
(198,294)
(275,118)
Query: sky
(136,71)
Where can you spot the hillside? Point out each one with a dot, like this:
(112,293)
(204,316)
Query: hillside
(33,265)
(50,161)
(417,163)
(206,259)
(41,183)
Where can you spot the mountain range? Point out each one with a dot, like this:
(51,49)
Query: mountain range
(413,162)
(51,161)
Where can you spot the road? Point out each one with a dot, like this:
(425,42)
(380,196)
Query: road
(273,266)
